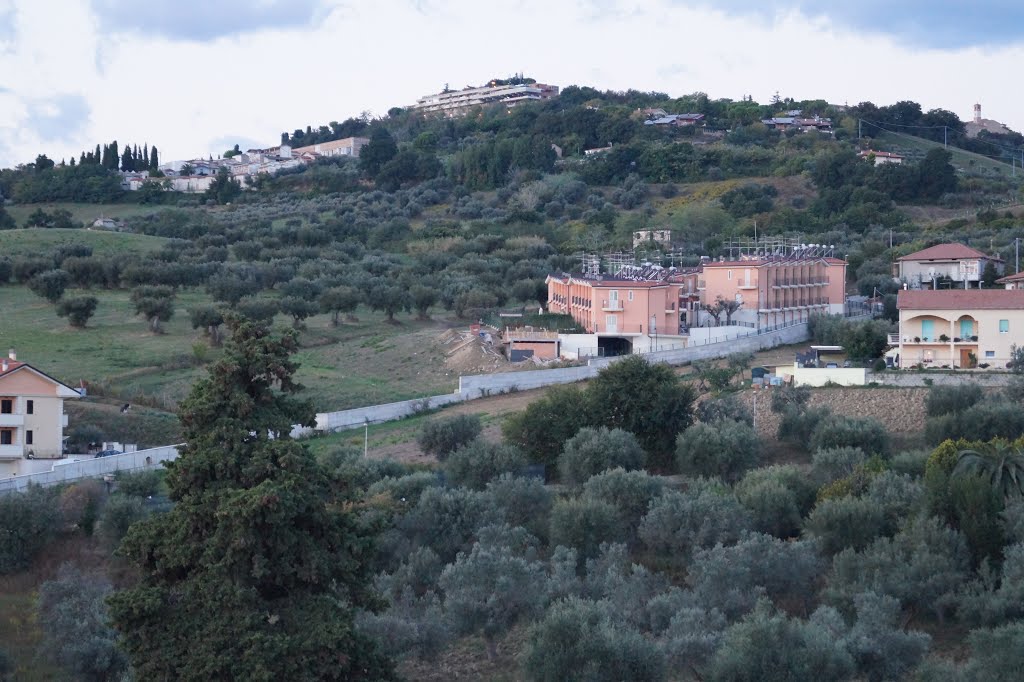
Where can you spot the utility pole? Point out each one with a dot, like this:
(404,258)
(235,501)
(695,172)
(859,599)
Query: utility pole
(1016,254)
(366,437)
(859,121)
(945,136)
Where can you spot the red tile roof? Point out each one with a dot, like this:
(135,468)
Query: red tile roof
(961,299)
(11,366)
(1011,278)
(953,251)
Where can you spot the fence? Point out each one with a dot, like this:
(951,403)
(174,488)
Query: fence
(90,468)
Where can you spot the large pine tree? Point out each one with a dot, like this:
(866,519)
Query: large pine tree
(255,573)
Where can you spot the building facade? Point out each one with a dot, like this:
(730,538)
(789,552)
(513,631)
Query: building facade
(957,262)
(958,328)
(775,291)
(458,102)
(32,418)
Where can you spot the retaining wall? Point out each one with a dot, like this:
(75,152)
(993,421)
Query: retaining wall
(91,468)
(375,414)
(913,378)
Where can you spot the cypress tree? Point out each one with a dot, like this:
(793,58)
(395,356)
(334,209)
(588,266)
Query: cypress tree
(154,159)
(255,573)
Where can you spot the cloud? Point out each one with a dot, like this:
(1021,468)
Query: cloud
(7,29)
(205,20)
(923,23)
(58,118)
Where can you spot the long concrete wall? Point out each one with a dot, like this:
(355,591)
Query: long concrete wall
(91,468)
(912,378)
(375,414)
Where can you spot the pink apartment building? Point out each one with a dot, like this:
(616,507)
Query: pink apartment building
(775,291)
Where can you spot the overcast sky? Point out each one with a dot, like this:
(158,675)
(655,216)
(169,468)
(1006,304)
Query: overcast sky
(195,77)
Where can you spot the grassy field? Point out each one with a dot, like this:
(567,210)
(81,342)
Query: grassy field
(84,213)
(965,161)
(360,363)
(37,241)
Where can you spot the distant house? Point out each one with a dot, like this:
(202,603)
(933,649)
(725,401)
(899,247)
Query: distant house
(596,151)
(881,158)
(1012,281)
(349,146)
(957,262)
(105,224)
(675,120)
(822,125)
(641,237)
(32,418)
(958,328)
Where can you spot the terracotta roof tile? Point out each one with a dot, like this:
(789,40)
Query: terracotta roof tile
(961,299)
(1011,278)
(952,251)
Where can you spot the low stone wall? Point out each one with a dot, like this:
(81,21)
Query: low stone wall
(92,468)
(915,378)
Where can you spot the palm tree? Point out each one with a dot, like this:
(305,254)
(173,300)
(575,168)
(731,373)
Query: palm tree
(999,464)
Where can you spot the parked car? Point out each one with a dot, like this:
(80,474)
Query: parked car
(108,453)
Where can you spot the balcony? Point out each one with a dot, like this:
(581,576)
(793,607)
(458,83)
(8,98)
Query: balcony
(746,285)
(611,306)
(12,420)
(8,452)
(795,283)
(620,329)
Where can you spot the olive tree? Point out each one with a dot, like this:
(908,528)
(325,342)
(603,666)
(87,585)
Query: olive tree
(594,450)
(724,449)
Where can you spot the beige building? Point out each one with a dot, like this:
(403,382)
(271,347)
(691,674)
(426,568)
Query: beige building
(1012,281)
(458,102)
(32,418)
(958,262)
(349,146)
(958,328)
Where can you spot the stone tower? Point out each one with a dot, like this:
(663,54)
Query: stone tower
(977,113)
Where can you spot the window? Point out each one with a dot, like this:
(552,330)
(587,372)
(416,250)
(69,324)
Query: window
(6,437)
(728,274)
(7,406)
(990,354)
(1004,326)
(28,438)
(30,407)
(630,296)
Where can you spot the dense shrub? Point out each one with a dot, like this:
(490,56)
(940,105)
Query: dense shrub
(845,522)
(584,524)
(446,519)
(923,566)
(73,617)
(768,645)
(441,437)
(630,492)
(28,521)
(144,483)
(835,463)
(797,424)
(593,450)
(648,400)
(120,512)
(838,431)
(476,463)
(679,523)
(523,502)
(981,422)
(777,497)
(583,640)
(952,399)
(731,578)
(724,449)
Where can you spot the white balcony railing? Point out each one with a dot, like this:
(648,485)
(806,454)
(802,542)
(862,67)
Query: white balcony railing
(12,420)
(611,306)
(11,452)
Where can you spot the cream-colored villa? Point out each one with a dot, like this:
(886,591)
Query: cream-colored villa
(32,418)
(959,327)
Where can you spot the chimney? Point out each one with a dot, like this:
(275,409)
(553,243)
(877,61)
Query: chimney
(3,365)
(12,355)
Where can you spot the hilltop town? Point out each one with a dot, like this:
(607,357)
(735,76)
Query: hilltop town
(520,381)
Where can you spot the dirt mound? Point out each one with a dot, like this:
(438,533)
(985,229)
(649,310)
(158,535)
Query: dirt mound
(467,353)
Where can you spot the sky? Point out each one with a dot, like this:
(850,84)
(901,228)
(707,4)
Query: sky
(196,77)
